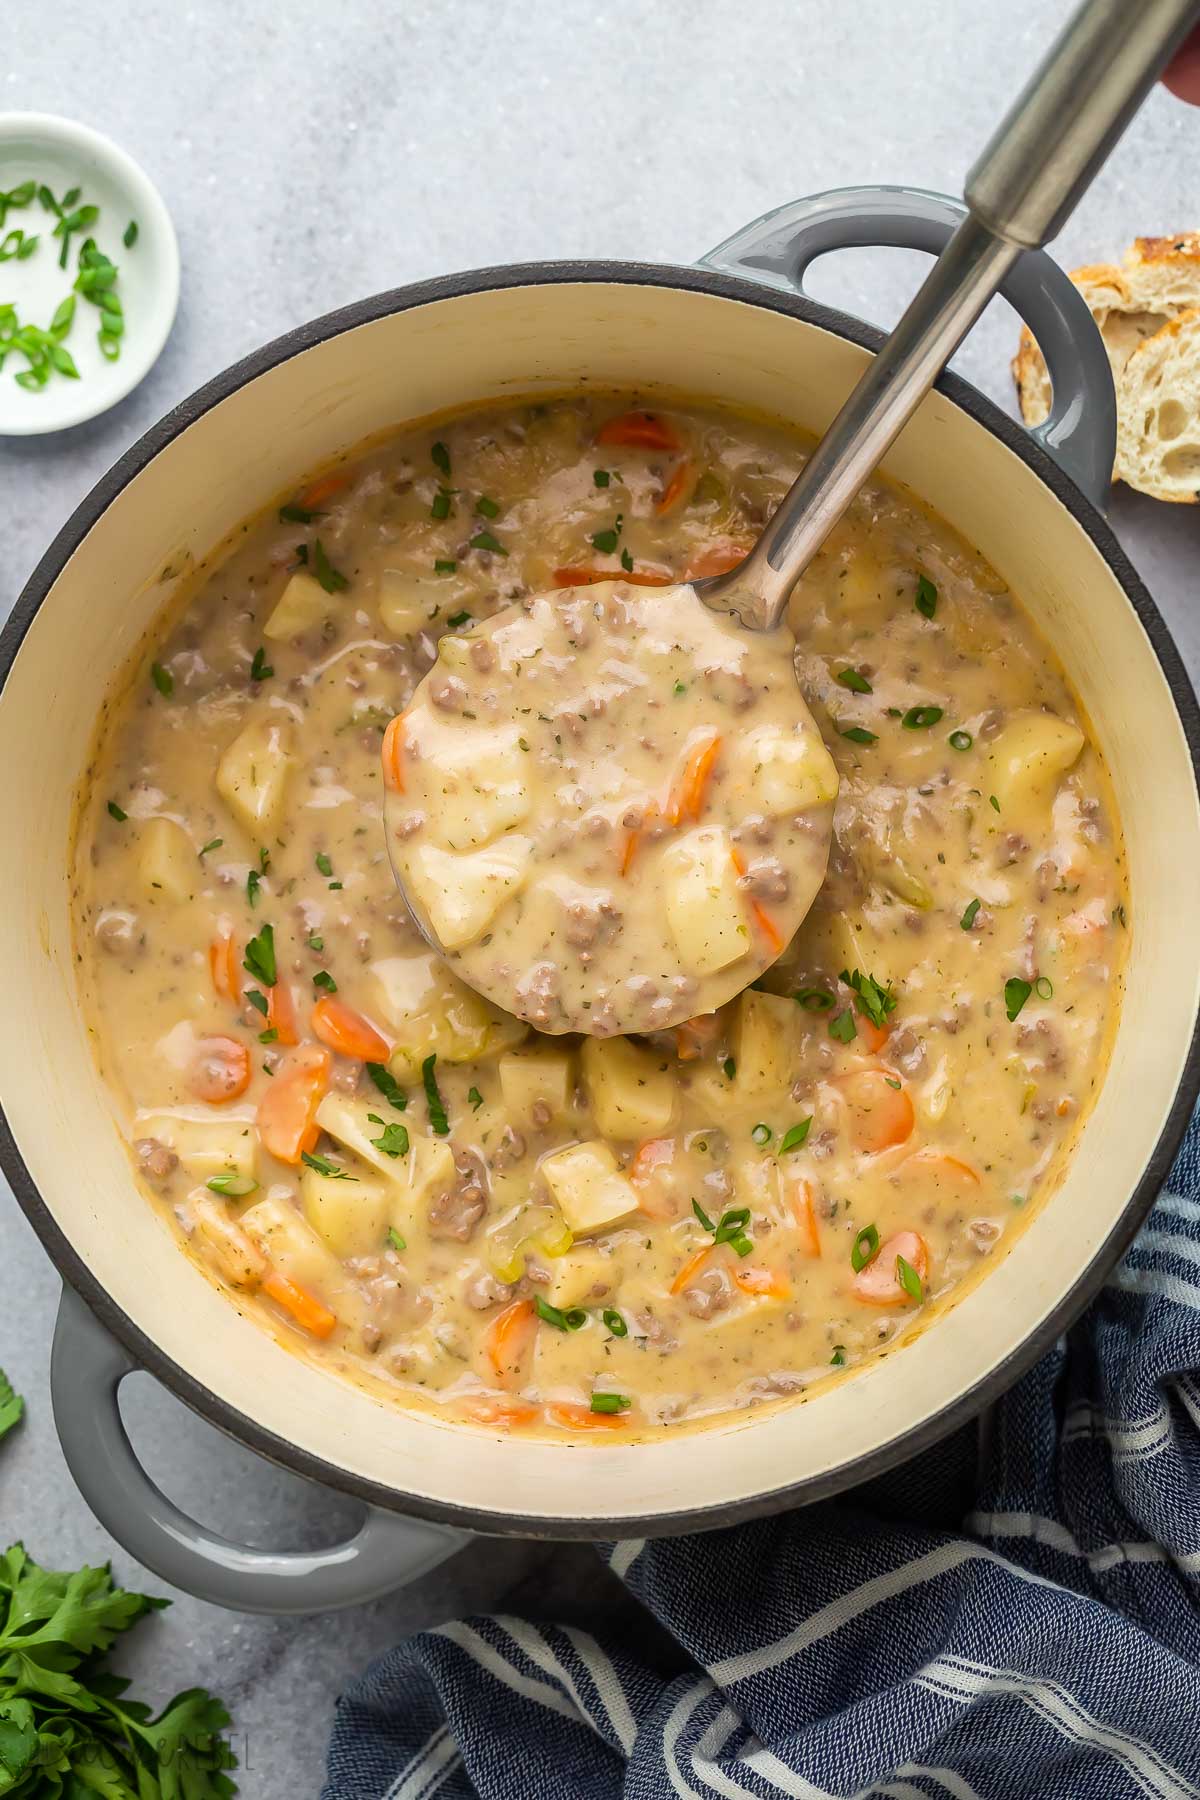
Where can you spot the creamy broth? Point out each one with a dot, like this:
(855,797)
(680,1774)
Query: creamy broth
(608,1234)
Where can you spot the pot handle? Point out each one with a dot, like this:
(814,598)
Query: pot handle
(1081,430)
(87,1367)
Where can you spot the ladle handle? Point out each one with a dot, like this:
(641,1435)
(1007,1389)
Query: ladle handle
(1025,184)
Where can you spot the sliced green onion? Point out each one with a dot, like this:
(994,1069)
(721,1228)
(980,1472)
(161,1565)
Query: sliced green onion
(116,812)
(1043,987)
(865,1246)
(483,540)
(615,1322)
(569,1320)
(610,1403)
(394,1239)
(960,740)
(927,597)
(969,912)
(920,718)
(762,1134)
(814,999)
(909,1280)
(850,678)
(858,734)
(234,1187)
(163,680)
(440,457)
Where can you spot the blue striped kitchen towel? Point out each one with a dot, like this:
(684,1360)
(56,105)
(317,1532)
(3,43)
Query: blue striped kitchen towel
(1029,1632)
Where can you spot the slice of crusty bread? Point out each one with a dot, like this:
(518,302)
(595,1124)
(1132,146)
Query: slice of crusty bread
(1158,412)
(1158,280)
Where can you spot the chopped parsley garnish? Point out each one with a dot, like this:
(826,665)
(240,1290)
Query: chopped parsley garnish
(457,619)
(909,1280)
(440,458)
(440,508)
(680,688)
(331,1170)
(212,844)
(117,813)
(815,999)
(993,803)
(920,718)
(969,912)
(235,1186)
(129,236)
(927,597)
(433,1098)
(484,540)
(1016,993)
(394,1240)
(615,1322)
(444,565)
(960,740)
(254,878)
(794,1136)
(163,680)
(323,979)
(259,960)
(890,1081)
(837,1360)
(270,1036)
(610,1403)
(606,541)
(601,477)
(570,1320)
(260,668)
(843,1027)
(762,1134)
(729,1068)
(858,734)
(316,943)
(331,579)
(388,1086)
(487,507)
(475,1098)
(1043,987)
(292,514)
(850,678)
(864,1247)
(324,865)
(393,1138)
(627,562)
(873,1001)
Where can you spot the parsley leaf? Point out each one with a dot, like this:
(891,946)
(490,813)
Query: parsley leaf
(331,579)
(393,1138)
(11,1405)
(873,1001)
(388,1086)
(437,1107)
(331,1170)
(259,959)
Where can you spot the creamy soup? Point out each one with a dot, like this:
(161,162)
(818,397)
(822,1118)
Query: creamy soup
(564,1234)
(611,811)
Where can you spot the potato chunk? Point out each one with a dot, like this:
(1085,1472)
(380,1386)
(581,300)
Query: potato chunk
(703,904)
(409,603)
(1026,759)
(302,605)
(167,861)
(351,1216)
(291,1246)
(630,1090)
(786,771)
(583,1277)
(347,1122)
(536,1073)
(205,1147)
(237,1256)
(590,1189)
(766,1043)
(253,772)
(474,786)
(461,895)
(430,1011)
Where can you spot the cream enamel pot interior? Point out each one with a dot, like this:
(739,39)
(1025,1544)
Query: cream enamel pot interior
(133,1300)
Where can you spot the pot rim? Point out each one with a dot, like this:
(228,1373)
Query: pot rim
(699,279)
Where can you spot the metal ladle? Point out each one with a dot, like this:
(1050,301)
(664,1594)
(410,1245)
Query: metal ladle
(1019,193)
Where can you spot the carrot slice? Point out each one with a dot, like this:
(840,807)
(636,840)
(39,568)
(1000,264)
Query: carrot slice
(393,754)
(881,1113)
(286,1113)
(584,577)
(324,488)
(680,485)
(347,1032)
(687,793)
(281,1014)
(768,1283)
(639,430)
(879,1283)
(223,962)
(871,1037)
(694,1036)
(716,559)
(802,1201)
(571,1417)
(309,1312)
(692,1267)
(647,1173)
(508,1338)
(220,1070)
(761,916)
(633,837)
(939,1166)
(498,1409)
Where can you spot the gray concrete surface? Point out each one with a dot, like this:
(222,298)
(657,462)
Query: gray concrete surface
(314,153)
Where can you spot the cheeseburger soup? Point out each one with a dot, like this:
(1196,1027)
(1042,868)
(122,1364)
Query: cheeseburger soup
(527,1228)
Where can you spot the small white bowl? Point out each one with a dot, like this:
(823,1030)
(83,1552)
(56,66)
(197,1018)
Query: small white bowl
(63,155)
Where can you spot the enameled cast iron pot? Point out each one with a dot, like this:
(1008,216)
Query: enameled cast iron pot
(738,328)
